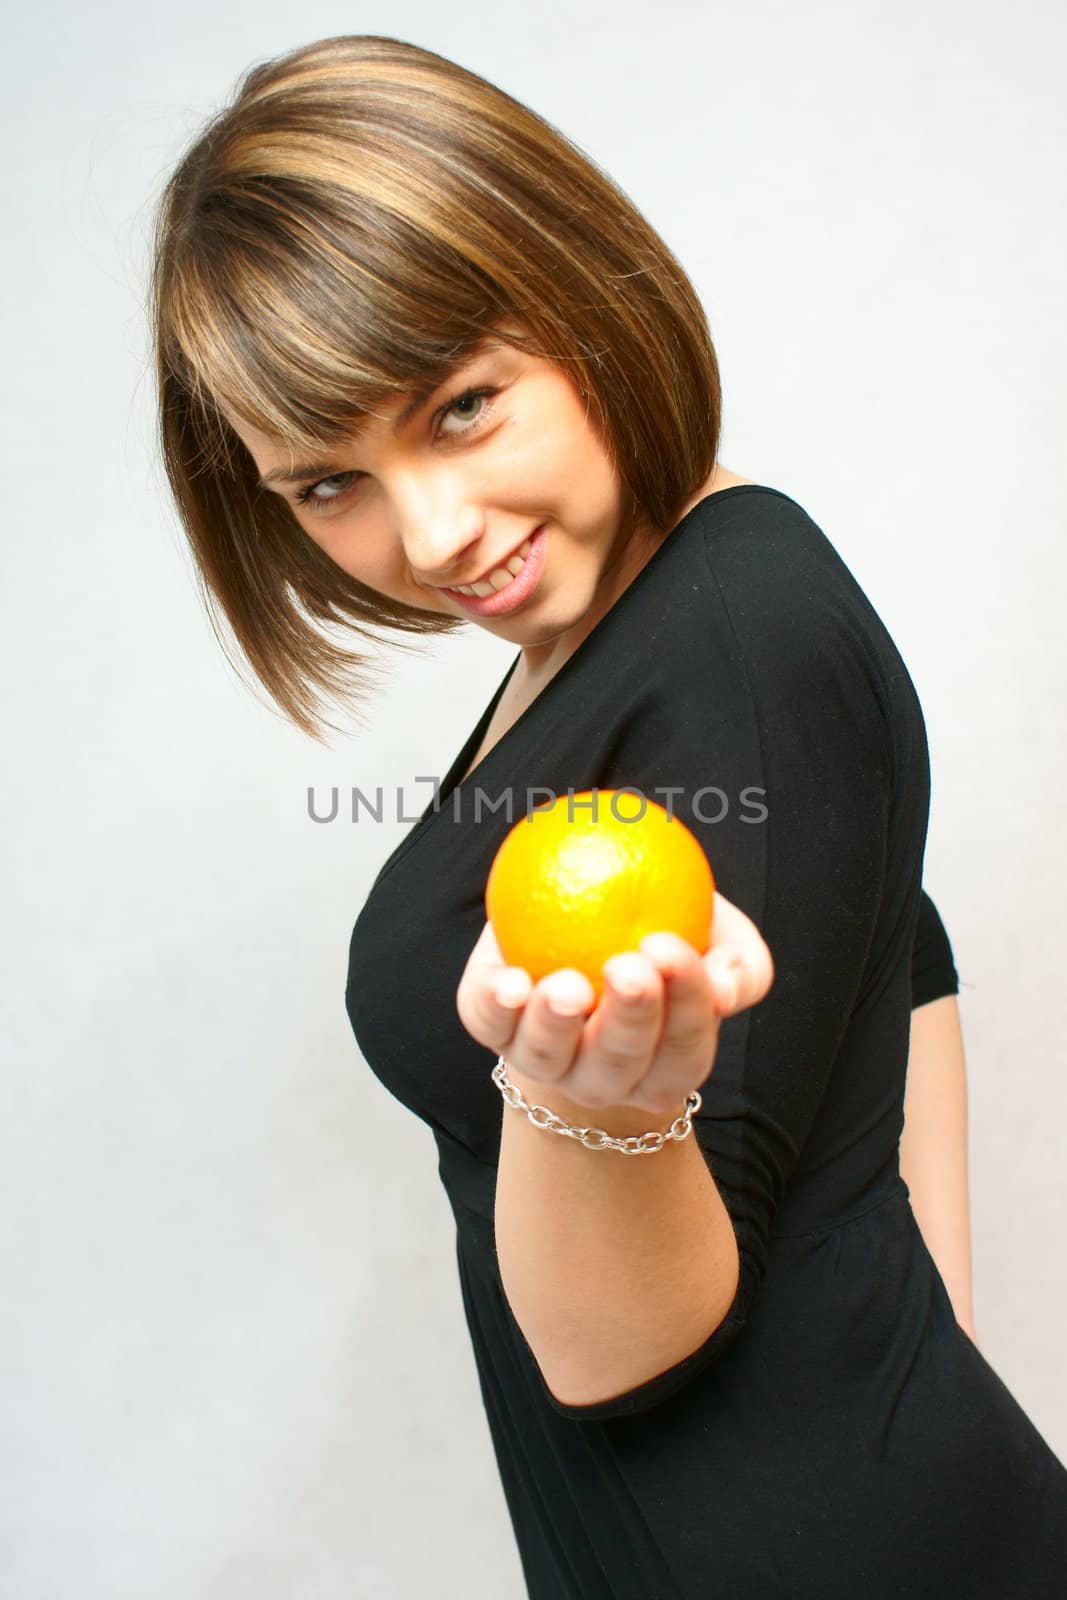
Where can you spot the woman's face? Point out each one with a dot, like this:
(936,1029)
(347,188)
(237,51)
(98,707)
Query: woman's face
(497,479)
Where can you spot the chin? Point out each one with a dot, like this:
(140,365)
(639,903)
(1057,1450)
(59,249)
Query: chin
(546,629)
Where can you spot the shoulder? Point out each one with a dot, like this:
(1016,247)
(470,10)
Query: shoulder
(800,621)
(754,530)
(771,567)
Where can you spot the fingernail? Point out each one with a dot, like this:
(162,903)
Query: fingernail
(510,992)
(566,999)
(626,990)
(661,948)
(564,1005)
(626,978)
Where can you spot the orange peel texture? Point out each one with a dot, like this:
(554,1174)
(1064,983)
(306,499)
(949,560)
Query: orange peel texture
(570,890)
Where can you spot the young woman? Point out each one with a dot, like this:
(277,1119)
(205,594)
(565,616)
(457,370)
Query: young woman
(422,364)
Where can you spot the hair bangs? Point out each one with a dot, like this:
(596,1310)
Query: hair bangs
(305,336)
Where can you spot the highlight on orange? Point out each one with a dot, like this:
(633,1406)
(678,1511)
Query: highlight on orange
(572,886)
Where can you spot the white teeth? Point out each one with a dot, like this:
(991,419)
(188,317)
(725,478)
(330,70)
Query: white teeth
(500,577)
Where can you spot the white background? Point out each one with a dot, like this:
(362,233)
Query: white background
(234,1360)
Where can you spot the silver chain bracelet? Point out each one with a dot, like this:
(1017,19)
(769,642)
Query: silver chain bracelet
(636,1144)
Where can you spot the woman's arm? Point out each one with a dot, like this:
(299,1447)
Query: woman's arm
(616,1268)
(607,1284)
(933,1147)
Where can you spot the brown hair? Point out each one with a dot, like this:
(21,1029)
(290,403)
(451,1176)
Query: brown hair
(346,231)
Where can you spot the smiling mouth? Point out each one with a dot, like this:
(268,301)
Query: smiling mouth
(499,578)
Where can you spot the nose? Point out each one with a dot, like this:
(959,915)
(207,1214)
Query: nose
(439,524)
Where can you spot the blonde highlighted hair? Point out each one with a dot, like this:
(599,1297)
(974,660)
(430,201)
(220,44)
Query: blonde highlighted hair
(345,231)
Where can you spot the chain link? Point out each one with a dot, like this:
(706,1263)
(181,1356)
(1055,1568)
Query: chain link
(635,1144)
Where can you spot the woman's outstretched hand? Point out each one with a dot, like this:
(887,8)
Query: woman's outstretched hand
(654,1034)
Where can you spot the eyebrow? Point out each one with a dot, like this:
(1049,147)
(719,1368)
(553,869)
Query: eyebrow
(327,469)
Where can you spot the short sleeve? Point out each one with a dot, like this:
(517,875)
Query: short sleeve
(933,970)
(799,754)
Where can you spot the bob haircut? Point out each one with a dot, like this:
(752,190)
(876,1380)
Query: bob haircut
(347,230)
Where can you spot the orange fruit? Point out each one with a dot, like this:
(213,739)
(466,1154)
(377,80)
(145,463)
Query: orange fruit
(568,890)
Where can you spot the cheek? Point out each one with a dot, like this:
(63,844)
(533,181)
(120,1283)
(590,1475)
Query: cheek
(577,461)
(600,486)
(338,538)
(340,548)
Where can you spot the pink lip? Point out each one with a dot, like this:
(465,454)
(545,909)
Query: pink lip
(516,592)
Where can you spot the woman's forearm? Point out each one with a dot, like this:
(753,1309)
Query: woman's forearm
(615,1267)
(933,1147)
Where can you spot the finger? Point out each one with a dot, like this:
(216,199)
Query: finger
(690,1035)
(491,995)
(738,961)
(549,1030)
(621,1039)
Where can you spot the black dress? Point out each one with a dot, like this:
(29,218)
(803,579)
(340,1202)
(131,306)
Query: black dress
(838,1434)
